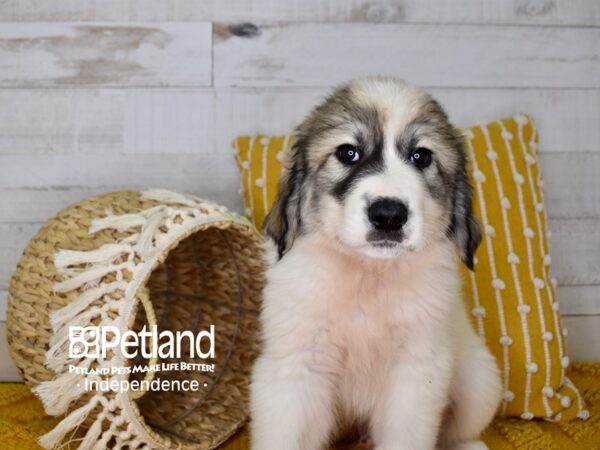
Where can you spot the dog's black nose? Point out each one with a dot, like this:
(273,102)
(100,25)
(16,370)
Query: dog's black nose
(388,214)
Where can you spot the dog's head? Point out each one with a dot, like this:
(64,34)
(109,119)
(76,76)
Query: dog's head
(378,169)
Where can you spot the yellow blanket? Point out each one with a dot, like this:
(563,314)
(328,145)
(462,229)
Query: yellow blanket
(22,420)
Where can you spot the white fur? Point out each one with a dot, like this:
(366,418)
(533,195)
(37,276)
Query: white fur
(353,332)
(382,340)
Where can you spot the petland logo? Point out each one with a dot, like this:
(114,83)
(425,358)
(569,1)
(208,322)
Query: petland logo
(96,342)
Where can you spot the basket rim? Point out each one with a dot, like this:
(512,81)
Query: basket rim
(131,404)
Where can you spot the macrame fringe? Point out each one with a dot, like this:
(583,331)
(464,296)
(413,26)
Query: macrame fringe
(60,339)
(62,316)
(103,441)
(85,271)
(124,221)
(119,223)
(51,439)
(92,435)
(57,355)
(105,254)
(165,196)
(145,244)
(89,275)
(58,393)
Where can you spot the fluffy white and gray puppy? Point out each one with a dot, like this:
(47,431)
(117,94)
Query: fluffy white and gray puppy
(363,319)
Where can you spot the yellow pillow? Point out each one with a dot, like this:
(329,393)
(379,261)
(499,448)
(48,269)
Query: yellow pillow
(511,294)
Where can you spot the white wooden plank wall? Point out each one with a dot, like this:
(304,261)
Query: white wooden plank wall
(528,12)
(97,96)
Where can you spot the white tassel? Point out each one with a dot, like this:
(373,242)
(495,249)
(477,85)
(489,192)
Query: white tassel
(57,356)
(58,393)
(145,245)
(92,435)
(92,274)
(160,209)
(61,336)
(131,239)
(163,195)
(51,439)
(105,254)
(63,315)
(119,223)
(103,442)
(58,353)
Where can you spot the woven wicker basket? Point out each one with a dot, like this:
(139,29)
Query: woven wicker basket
(190,264)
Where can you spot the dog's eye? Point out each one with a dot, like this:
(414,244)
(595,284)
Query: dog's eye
(421,157)
(348,154)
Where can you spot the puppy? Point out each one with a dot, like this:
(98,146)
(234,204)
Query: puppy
(363,320)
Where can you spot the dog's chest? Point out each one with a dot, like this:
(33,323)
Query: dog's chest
(368,326)
(353,318)
(366,319)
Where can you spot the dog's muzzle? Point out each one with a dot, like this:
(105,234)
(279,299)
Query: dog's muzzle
(387,216)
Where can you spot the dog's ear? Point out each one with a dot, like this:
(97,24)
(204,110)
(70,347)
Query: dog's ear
(464,227)
(283,223)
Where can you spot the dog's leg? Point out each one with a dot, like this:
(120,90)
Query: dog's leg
(409,412)
(291,404)
(475,397)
